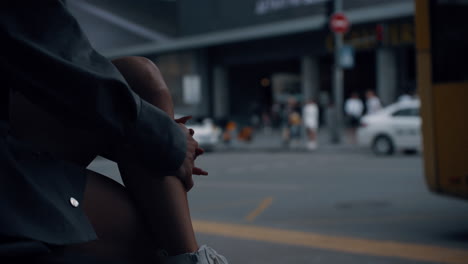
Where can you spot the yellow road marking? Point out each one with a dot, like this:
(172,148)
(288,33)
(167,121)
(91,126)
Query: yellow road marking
(382,219)
(261,207)
(411,251)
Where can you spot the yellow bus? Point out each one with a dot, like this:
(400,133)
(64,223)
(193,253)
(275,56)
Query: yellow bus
(442,61)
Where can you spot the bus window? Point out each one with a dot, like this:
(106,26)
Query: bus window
(449,40)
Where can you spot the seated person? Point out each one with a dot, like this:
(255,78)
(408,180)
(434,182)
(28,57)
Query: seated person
(62,104)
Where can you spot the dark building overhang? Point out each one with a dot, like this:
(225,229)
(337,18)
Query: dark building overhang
(378,13)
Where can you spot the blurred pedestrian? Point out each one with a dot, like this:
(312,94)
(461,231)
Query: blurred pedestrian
(295,122)
(311,123)
(353,110)
(291,122)
(229,132)
(373,103)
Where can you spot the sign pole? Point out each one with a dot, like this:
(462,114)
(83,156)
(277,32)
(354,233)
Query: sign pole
(338,81)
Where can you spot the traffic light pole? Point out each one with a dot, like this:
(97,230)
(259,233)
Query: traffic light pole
(338,81)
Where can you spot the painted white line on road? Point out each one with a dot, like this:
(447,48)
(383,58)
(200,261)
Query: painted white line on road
(380,248)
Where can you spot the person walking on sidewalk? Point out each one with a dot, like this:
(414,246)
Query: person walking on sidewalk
(291,123)
(373,103)
(353,110)
(311,123)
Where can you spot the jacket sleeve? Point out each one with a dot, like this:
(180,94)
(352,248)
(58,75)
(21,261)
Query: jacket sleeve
(46,57)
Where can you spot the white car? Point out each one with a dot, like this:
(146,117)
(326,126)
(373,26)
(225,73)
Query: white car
(396,127)
(207,134)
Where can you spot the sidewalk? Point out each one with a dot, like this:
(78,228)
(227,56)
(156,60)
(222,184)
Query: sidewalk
(272,141)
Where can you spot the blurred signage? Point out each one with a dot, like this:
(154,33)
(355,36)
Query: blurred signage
(339,23)
(263,7)
(230,14)
(191,89)
(372,36)
(347,57)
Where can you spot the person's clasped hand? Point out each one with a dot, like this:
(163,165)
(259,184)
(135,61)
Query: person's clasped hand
(187,169)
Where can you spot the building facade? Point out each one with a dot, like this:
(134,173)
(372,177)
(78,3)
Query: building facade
(230,59)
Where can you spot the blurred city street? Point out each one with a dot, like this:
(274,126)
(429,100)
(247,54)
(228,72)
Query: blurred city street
(338,204)
(271,141)
(333,131)
(261,76)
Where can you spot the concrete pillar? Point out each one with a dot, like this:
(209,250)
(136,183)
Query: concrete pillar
(202,68)
(387,75)
(310,81)
(220,92)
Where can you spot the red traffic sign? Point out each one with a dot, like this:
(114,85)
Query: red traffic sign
(339,23)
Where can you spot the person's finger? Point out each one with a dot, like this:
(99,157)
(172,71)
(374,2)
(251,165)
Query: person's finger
(199,151)
(198,171)
(189,183)
(183,119)
(196,145)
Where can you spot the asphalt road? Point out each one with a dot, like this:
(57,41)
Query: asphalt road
(325,207)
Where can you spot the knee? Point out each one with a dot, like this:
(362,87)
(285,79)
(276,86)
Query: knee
(138,64)
(143,76)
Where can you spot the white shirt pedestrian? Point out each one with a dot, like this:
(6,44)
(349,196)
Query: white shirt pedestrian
(311,114)
(373,103)
(354,107)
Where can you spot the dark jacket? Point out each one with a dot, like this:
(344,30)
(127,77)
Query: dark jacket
(46,57)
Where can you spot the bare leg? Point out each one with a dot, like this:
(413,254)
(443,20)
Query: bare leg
(117,223)
(163,201)
(311,134)
(146,80)
(152,212)
(112,213)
